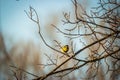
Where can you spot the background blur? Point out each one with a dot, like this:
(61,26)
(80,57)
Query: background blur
(20,44)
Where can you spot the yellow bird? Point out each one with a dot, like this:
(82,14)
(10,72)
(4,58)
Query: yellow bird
(64,49)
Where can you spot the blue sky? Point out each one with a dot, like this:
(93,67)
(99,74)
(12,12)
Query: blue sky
(13,15)
(16,26)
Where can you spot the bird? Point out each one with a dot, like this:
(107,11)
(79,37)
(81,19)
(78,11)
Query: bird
(64,49)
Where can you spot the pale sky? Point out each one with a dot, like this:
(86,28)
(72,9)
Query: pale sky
(15,25)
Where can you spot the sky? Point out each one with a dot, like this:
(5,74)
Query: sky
(16,26)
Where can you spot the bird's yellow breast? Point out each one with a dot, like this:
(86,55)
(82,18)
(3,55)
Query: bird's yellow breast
(65,49)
